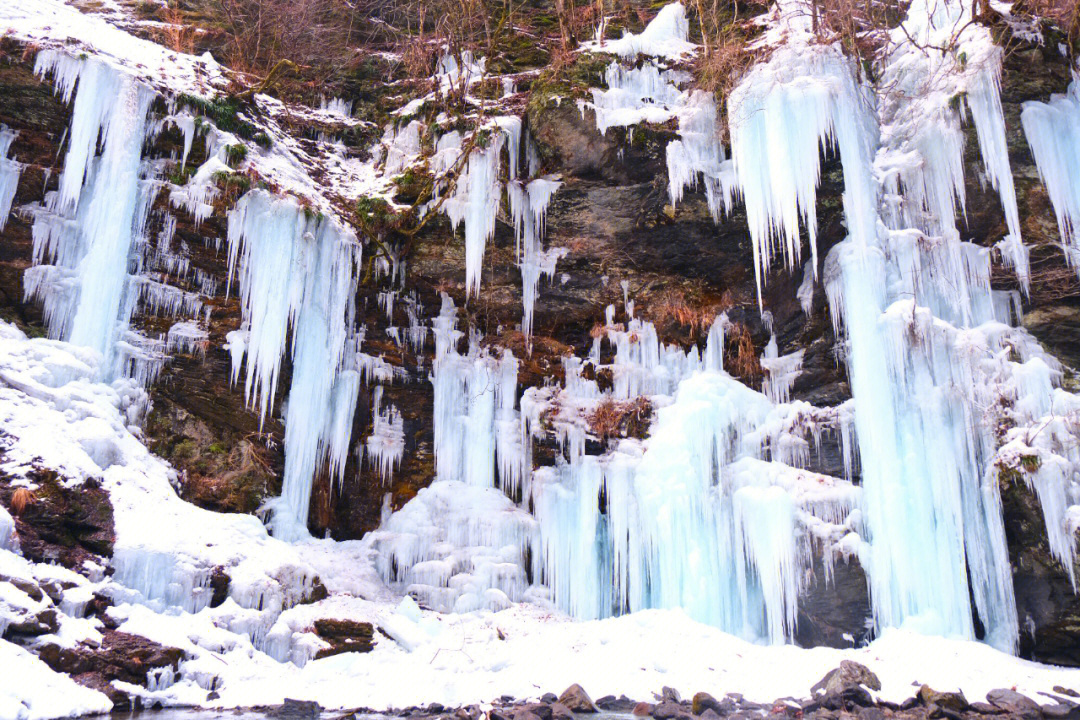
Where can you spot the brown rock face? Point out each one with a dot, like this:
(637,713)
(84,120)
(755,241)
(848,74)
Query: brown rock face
(121,656)
(65,525)
(344,636)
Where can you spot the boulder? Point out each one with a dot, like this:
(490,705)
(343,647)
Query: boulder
(560,712)
(850,673)
(704,701)
(577,700)
(670,694)
(668,710)
(1014,703)
(642,709)
(954,701)
(295,710)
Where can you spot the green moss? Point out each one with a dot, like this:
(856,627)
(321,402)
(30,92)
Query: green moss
(235,154)
(1030,463)
(262,140)
(223,112)
(217,449)
(185,450)
(411,184)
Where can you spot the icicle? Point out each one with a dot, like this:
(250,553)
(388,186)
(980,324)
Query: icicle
(9,173)
(386,443)
(1053,132)
(476,202)
(89,225)
(297,272)
(528,207)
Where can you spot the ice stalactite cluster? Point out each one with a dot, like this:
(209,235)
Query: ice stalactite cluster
(650,94)
(678,521)
(297,274)
(933,368)
(1053,132)
(528,206)
(10,169)
(86,229)
(461,544)
(930,93)
(643,525)
(474,186)
(386,443)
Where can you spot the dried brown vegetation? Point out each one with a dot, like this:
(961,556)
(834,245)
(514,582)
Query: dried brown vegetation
(613,418)
(20,499)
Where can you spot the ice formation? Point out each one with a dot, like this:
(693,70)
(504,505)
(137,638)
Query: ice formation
(931,512)
(665,36)
(10,169)
(1053,132)
(89,224)
(528,206)
(386,443)
(297,273)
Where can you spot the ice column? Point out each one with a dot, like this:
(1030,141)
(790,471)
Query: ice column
(297,273)
(9,173)
(1053,132)
(88,226)
(528,205)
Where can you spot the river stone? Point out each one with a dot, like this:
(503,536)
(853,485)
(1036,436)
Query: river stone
(560,712)
(704,701)
(670,694)
(848,674)
(669,711)
(954,701)
(577,700)
(295,710)
(1015,703)
(642,709)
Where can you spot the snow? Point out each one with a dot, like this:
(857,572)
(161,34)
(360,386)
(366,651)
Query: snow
(459,659)
(30,690)
(665,36)
(53,23)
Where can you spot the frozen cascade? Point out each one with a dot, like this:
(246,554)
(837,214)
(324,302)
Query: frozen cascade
(461,544)
(297,273)
(10,170)
(678,521)
(1053,132)
(932,514)
(88,226)
(474,398)
(921,158)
